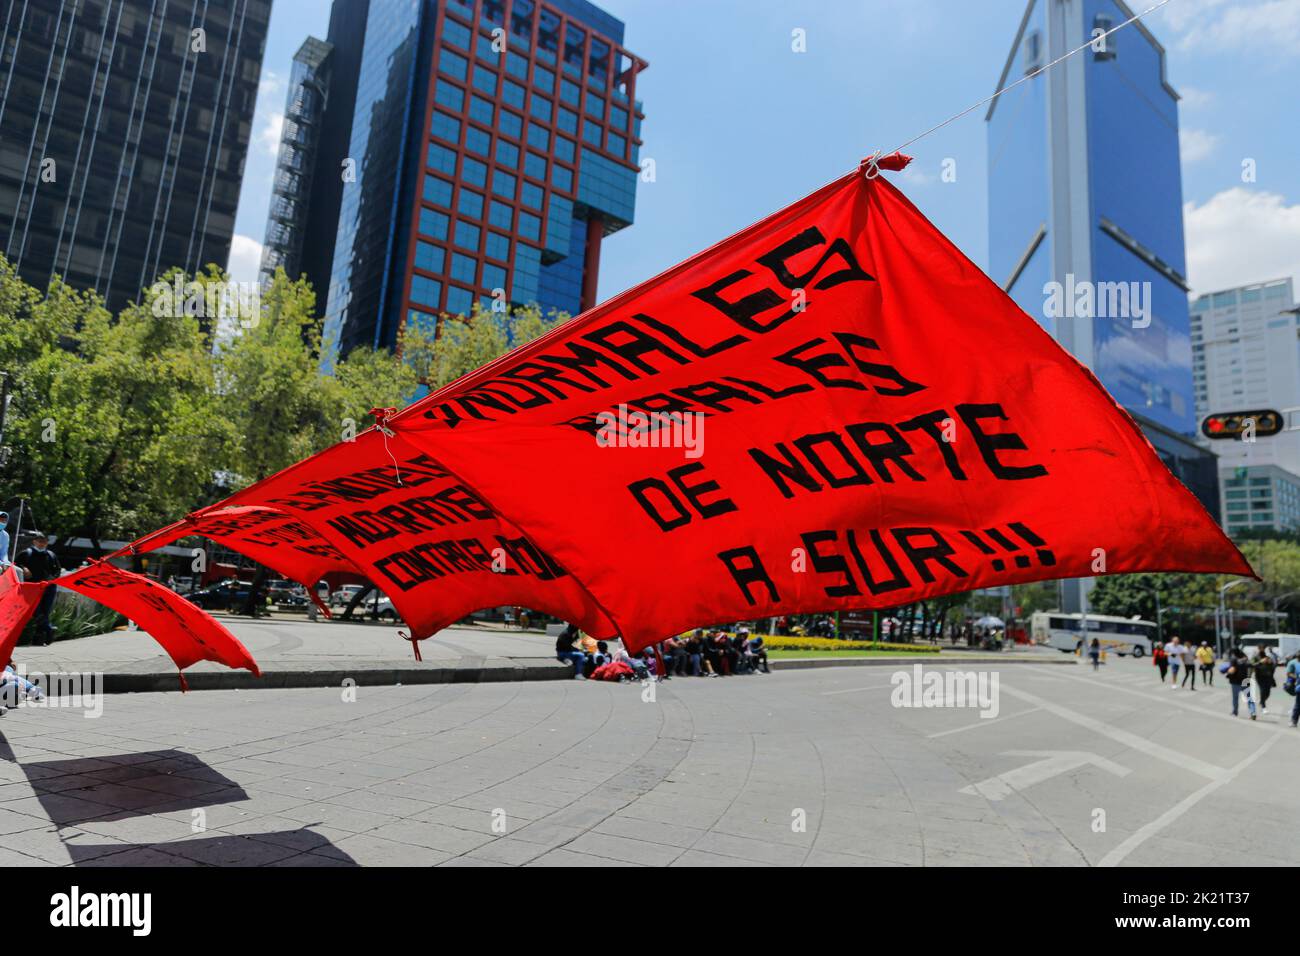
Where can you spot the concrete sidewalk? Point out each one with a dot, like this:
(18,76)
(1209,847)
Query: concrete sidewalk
(294,652)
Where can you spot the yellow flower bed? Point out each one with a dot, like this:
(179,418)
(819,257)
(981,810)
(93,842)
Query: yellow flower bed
(775,643)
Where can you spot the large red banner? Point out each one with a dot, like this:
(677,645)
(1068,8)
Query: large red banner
(832,409)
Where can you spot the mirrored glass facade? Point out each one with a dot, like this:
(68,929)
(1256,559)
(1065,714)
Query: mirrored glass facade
(496,144)
(124,126)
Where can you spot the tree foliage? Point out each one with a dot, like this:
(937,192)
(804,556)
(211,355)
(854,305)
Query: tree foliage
(119,424)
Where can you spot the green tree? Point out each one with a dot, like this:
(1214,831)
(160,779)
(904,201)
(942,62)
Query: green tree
(114,424)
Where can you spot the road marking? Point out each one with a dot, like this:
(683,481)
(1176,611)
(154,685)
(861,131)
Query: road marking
(1115,856)
(982,723)
(854,690)
(1130,740)
(1053,764)
(1185,703)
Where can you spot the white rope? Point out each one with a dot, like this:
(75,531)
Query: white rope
(871,161)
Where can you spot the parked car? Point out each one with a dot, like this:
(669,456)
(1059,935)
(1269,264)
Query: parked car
(286,594)
(344,594)
(222,596)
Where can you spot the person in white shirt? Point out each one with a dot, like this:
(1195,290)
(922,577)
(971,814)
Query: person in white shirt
(1174,649)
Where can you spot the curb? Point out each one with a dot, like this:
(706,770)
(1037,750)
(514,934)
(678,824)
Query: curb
(360,676)
(392,674)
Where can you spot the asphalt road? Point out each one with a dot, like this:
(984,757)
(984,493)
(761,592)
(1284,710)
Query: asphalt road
(798,767)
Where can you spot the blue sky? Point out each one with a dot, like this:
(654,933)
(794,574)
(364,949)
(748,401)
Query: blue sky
(739,124)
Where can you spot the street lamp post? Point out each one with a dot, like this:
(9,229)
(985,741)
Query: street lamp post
(1277,600)
(1221,615)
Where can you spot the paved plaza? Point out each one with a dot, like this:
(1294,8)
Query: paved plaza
(798,767)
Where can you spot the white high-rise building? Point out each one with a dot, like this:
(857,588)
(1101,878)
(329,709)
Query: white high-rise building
(1246,357)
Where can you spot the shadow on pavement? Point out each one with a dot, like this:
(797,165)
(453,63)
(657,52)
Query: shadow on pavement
(120,787)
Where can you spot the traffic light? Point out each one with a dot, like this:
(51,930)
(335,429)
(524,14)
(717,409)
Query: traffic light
(1259,424)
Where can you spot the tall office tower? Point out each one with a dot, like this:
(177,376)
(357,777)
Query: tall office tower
(1246,357)
(1085,215)
(124,126)
(493,145)
(287,221)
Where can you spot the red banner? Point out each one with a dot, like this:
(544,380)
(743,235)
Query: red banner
(186,633)
(283,543)
(421,534)
(832,409)
(17,603)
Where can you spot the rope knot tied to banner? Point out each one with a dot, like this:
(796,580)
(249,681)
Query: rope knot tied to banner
(415,642)
(873,164)
(382,416)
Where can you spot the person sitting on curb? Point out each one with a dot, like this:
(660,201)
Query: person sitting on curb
(564,651)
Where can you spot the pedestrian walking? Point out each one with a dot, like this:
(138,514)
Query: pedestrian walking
(4,540)
(1292,686)
(1094,652)
(1237,670)
(1174,651)
(1161,660)
(1205,658)
(1189,665)
(39,563)
(1264,668)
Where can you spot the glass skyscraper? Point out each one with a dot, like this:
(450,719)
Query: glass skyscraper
(1085,192)
(492,145)
(124,126)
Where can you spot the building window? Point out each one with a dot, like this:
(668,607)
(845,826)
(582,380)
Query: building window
(425,291)
(470,204)
(429,257)
(467,235)
(498,246)
(463,268)
(477,141)
(434,223)
(507,154)
(437,191)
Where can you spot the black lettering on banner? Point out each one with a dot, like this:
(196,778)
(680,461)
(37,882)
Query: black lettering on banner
(882,585)
(829,563)
(746,569)
(895,450)
(716,395)
(989,444)
(938,550)
(699,351)
(808,444)
(543,375)
(583,359)
(631,344)
(769,391)
(695,493)
(814,365)
(777,471)
(929,424)
(641,491)
(743,310)
(776,261)
(878,370)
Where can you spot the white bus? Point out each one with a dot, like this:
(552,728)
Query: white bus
(1120,635)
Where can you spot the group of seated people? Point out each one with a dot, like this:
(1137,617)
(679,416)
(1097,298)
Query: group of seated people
(714,653)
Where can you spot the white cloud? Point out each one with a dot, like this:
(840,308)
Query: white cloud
(270,84)
(1240,236)
(1237,26)
(268,137)
(245,258)
(1194,99)
(1195,144)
